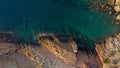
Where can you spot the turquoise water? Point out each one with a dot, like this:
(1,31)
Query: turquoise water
(26,18)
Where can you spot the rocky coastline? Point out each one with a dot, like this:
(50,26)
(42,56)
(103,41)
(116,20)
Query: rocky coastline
(52,52)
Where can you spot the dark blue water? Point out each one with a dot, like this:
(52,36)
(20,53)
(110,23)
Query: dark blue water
(26,18)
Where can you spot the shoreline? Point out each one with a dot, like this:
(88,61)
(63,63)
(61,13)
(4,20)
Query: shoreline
(69,55)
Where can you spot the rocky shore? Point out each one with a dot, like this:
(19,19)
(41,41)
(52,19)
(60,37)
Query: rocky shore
(109,51)
(51,52)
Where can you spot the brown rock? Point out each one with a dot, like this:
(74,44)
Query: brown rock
(112,2)
(63,50)
(109,51)
(117,8)
(15,60)
(89,65)
(118,17)
(5,36)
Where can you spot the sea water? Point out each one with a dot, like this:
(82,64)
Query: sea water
(27,18)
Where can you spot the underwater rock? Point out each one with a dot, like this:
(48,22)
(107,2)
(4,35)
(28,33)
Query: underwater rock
(109,51)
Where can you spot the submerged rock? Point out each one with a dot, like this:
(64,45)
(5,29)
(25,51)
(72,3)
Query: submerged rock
(118,17)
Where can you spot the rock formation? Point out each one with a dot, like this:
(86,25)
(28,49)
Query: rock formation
(51,53)
(109,51)
(64,50)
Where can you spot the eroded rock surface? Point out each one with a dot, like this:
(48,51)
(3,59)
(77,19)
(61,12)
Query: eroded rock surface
(63,50)
(52,52)
(109,51)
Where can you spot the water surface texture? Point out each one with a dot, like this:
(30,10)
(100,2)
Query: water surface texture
(29,17)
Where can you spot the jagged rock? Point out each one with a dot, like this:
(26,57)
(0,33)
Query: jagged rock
(64,50)
(109,51)
(41,57)
(118,17)
(53,53)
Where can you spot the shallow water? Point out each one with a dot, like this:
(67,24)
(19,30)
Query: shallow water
(26,18)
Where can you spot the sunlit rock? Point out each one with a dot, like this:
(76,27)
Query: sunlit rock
(117,8)
(64,50)
(109,51)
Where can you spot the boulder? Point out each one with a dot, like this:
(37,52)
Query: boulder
(118,17)
(117,8)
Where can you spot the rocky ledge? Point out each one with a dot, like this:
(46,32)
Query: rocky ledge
(51,52)
(109,51)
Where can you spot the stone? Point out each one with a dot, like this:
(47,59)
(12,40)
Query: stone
(4,36)
(117,8)
(15,60)
(89,65)
(117,2)
(118,17)
(109,51)
(64,50)
(53,53)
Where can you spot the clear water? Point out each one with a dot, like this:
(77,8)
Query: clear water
(26,18)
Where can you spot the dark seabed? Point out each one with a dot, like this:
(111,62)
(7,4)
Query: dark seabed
(26,18)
